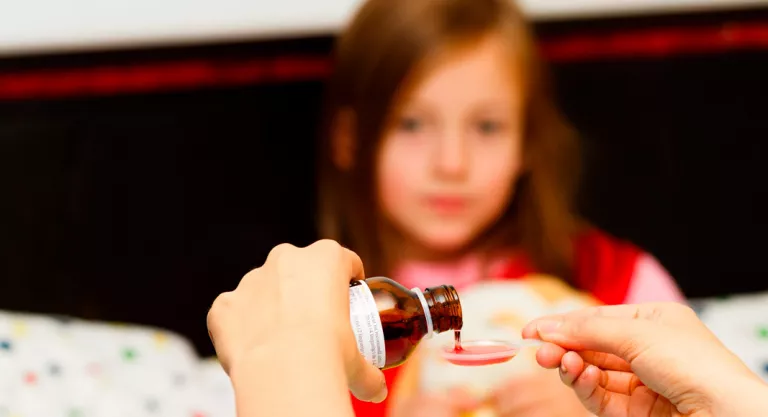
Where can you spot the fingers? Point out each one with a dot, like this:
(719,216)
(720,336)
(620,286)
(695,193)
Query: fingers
(366,382)
(571,367)
(647,311)
(603,392)
(351,263)
(606,361)
(354,265)
(214,322)
(617,376)
(668,312)
(596,398)
(617,336)
(550,355)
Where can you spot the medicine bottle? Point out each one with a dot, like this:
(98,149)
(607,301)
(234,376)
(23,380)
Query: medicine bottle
(389,320)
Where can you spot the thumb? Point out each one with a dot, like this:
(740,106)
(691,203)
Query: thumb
(365,381)
(625,338)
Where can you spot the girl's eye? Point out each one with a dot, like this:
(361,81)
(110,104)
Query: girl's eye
(410,124)
(489,127)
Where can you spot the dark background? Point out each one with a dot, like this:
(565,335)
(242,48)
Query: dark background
(142,207)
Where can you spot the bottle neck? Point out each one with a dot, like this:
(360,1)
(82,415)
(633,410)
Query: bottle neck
(444,308)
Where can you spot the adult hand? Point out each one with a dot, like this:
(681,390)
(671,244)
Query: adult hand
(653,360)
(298,298)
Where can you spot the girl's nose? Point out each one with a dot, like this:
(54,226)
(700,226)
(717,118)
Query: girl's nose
(451,160)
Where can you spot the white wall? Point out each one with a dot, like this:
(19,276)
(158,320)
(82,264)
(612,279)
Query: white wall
(60,25)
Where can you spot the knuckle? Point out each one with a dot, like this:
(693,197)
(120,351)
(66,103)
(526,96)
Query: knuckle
(604,400)
(281,256)
(329,252)
(328,246)
(221,305)
(280,250)
(600,359)
(223,301)
(629,349)
(576,326)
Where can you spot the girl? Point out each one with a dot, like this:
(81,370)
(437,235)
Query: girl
(445,160)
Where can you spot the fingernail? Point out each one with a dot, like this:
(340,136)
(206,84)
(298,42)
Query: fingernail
(547,326)
(565,377)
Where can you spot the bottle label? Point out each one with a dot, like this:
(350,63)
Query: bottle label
(366,324)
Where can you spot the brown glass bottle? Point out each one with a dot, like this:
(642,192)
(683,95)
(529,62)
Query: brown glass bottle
(389,320)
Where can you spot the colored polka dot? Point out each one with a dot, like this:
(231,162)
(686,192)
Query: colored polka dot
(129,354)
(198,414)
(54,369)
(765,369)
(5,344)
(152,405)
(30,378)
(19,329)
(93,369)
(179,380)
(762,332)
(75,412)
(161,339)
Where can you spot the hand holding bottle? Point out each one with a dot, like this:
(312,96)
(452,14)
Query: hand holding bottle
(653,360)
(294,312)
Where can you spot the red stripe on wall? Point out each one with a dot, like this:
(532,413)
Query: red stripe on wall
(190,74)
(658,43)
(168,76)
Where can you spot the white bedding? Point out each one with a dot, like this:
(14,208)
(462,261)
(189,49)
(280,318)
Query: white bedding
(57,367)
(51,367)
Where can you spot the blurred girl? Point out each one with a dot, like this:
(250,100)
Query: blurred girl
(445,161)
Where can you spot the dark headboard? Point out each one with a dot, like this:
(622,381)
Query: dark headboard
(134,183)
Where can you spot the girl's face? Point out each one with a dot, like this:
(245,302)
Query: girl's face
(448,162)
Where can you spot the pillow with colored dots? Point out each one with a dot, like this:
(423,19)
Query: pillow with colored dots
(741,322)
(51,366)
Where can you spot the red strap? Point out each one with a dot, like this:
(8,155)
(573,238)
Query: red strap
(603,266)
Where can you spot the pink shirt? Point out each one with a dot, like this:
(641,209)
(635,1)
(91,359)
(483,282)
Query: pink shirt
(650,282)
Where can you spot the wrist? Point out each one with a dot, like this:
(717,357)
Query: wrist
(268,379)
(746,396)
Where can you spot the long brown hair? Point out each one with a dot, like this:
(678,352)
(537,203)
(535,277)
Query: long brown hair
(385,44)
